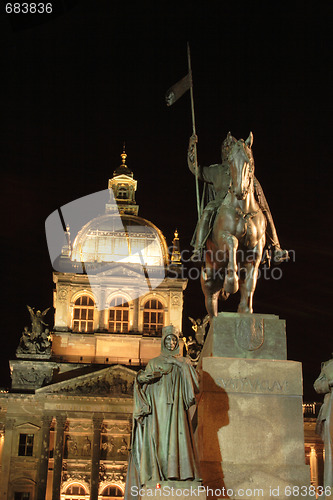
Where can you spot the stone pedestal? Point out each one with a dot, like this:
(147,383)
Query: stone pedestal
(250,420)
(255,336)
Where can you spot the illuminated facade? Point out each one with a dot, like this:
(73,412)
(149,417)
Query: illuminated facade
(314,446)
(65,426)
(125,257)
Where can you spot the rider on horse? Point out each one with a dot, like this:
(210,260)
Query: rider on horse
(217,177)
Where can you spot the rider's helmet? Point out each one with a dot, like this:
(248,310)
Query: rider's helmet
(228,142)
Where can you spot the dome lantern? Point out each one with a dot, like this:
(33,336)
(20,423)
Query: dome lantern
(122,188)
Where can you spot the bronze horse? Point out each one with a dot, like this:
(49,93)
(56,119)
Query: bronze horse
(236,243)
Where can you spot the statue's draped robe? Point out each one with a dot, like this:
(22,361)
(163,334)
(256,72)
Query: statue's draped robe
(162,441)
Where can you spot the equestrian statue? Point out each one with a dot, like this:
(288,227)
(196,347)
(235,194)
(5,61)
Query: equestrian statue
(232,231)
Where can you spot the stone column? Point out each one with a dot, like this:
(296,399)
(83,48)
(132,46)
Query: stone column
(6,458)
(95,457)
(101,320)
(58,455)
(135,326)
(43,457)
(314,466)
(2,439)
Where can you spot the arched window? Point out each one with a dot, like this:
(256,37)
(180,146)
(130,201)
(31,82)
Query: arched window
(83,317)
(112,491)
(75,492)
(153,316)
(119,315)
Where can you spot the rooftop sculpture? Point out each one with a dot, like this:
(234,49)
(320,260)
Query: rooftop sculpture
(36,341)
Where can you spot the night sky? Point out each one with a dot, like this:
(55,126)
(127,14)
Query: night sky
(78,83)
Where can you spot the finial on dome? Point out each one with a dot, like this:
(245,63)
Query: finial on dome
(175,256)
(67,247)
(123,155)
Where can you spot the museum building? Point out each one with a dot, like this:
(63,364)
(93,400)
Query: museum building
(65,425)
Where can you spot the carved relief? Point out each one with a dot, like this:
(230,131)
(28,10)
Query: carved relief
(62,294)
(250,333)
(109,381)
(115,475)
(27,375)
(102,385)
(84,427)
(176,299)
(77,446)
(114,447)
(115,428)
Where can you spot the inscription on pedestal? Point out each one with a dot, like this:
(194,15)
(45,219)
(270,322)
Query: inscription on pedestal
(251,376)
(253,385)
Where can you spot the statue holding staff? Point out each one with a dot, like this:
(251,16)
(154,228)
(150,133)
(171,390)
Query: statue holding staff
(217,176)
(236,223)
(233,225)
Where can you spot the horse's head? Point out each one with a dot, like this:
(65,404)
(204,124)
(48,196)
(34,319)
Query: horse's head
(241,167)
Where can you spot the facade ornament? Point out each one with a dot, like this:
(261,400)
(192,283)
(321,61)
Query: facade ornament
(176,299)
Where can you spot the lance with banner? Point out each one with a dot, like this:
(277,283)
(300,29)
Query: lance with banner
(172,95)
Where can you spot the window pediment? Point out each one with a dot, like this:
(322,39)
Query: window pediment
(28,426)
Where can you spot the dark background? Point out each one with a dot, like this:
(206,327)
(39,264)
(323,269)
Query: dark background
(77,83)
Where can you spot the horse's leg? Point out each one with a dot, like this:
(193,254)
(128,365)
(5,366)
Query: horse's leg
(248,284)
(211,284)
(231,279)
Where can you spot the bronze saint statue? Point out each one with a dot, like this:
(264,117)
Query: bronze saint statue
(162,442)
(324,425)
(236,218)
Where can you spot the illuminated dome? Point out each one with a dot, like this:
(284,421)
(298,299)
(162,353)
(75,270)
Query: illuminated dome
(120,238)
